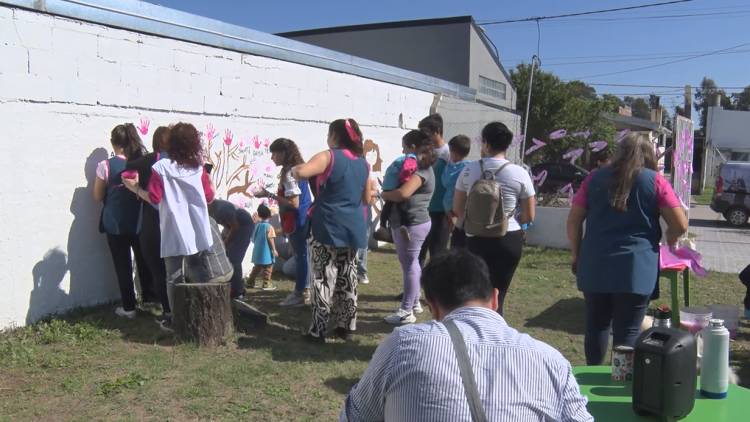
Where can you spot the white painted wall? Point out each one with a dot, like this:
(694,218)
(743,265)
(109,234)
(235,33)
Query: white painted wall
(549,229)
(64,84)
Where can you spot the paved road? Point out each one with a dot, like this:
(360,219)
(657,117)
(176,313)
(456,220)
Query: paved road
(724,248)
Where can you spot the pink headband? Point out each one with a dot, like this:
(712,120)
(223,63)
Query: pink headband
(350,130)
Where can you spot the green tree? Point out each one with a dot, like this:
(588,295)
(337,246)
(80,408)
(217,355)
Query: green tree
(613,103)
(638,106)
(705,97)
(579,89)
(573,106)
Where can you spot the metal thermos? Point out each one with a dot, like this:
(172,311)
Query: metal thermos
(715,360)
(662,317)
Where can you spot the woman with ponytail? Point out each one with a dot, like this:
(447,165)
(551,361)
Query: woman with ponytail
(121,211)
(339,227)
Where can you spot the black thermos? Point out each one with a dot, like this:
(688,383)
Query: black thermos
(664,373)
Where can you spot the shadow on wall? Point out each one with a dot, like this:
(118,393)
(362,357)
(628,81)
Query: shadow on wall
(91,274)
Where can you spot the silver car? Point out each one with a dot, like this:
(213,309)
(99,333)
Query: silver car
(731,197)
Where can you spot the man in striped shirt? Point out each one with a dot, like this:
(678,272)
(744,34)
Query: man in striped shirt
(414,374)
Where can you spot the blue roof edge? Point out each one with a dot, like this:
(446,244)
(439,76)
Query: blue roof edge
(152,19)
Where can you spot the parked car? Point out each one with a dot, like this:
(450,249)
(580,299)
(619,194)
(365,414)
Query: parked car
(731,197)
(559,175)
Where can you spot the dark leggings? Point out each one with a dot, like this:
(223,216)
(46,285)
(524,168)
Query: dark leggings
(437,239)
(623,312)
(150,242)
(119,247)
(235,250)
(502,255)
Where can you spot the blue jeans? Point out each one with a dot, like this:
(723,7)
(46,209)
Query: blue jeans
(623,312)
(298,240)
(236,250)
(362,262)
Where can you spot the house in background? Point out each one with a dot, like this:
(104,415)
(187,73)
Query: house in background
(453,49)
(651,128)
(727,139)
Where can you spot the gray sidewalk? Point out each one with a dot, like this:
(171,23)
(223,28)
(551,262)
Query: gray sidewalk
(724,248)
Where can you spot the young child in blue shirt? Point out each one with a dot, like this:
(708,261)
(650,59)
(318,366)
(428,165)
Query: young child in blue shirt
(397,173)
(264,250)
(459,147)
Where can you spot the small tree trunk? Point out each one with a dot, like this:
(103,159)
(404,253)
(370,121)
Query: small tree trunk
(202,313)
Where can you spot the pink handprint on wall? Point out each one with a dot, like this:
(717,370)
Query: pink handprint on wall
(256,142)
(143,126)
(228,137)
(210,132)
(266,143)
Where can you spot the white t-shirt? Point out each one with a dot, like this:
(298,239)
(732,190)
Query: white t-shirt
(515,180)
(291,187)
(443,153)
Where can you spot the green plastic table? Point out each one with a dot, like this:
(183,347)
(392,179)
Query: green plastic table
(611,401)
(673,276)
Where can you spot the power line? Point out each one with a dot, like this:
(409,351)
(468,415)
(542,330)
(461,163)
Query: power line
(592,12)
(658,55)
(658,86)
(631,59)
(649,17)
(664,63)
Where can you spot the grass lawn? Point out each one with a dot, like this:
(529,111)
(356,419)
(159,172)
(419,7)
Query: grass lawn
(705,198)
(91,365)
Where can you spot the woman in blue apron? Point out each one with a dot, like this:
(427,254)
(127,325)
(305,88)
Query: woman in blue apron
(617,261)
(338,225)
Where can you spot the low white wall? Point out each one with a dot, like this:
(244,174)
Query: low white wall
(66,84)
(549,228)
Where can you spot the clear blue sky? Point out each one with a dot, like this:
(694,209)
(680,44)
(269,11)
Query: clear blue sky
(635,38)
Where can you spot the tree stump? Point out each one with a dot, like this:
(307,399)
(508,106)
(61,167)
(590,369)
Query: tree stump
(202,313)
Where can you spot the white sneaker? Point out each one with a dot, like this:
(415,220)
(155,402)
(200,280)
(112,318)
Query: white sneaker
(120,311)
(418,308)
(363,279)
(401,317)
(294,299)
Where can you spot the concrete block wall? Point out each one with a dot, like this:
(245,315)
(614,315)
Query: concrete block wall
(64,84)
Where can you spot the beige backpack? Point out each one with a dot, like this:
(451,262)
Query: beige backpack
(484,206)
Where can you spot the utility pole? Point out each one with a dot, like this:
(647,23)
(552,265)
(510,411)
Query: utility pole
(688,101)
(534,63)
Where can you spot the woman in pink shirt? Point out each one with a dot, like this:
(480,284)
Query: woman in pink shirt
(616,262)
